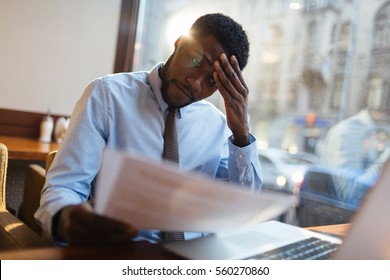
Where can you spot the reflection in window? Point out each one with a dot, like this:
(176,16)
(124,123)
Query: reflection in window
(382,28)
(345,36)
(293,95)
(333,34)
(312,35)
(375,93)
(276,37)
(273,104)
(272,46)
(337,92)
(315,5)
(378,84)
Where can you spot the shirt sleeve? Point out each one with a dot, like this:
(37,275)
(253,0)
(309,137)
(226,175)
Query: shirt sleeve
(77,162)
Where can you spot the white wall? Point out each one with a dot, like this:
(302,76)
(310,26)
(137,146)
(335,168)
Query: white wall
(51,49)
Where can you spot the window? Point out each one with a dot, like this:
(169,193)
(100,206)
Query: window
(312,35)
(337,92)
(314,5)
(313,65)
(293,95)
(379,75)
(375,92)
(382,28)
(345,36)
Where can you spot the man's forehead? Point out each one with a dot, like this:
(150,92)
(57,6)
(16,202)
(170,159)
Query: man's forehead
(206,46)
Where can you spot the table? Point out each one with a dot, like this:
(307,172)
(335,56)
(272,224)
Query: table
(133,251)
(339,229)
(27,148)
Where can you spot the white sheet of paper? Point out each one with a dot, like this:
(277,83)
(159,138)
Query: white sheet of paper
(152,195)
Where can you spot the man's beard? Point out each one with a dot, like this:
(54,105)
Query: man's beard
(164,74)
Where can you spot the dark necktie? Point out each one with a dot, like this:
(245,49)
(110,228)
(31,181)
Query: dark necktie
(171,147)
(171,152)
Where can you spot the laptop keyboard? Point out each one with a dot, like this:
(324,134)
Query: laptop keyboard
(307,249)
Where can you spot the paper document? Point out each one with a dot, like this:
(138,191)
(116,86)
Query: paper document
(152,195)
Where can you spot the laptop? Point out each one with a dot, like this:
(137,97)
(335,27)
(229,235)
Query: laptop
(367,238)
(251,243)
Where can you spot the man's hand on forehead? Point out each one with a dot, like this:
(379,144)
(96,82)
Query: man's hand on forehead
(230,83)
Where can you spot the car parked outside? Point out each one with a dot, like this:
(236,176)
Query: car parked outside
(283,171)
(332,195)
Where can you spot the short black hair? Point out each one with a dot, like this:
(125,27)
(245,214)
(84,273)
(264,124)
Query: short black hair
(227,32)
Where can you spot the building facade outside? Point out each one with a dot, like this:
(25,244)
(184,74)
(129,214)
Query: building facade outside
(312,62)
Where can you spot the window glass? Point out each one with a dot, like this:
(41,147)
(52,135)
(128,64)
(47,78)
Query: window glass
(319,82)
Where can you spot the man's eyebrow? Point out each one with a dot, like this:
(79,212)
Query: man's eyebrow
(204,57)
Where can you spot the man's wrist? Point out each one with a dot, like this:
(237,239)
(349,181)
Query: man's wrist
(55,228)
(241,141)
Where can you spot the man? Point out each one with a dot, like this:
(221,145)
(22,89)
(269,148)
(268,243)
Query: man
(127,111)
(355,150)
(343,145)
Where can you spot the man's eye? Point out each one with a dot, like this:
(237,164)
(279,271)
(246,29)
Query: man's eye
(195,61)
(212,83)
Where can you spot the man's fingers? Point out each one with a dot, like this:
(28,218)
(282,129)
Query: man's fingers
(220,77)
(236,67)
(83,226)
(228,79)
(83,236)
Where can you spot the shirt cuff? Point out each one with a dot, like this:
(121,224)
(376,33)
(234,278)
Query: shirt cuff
(243,155)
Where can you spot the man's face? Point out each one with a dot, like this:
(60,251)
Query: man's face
(187,76)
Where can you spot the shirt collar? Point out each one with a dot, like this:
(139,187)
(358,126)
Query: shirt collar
(365,118)
(155,83)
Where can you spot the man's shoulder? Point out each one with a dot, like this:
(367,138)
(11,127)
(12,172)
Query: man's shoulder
(124,82)
(125,77)
(119,85)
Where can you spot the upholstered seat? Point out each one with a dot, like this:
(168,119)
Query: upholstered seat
(3,173)
(13,232)
(35,179)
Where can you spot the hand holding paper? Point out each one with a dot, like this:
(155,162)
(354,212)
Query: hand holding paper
(150,195)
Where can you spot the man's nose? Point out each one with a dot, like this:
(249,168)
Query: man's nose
(195,83)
